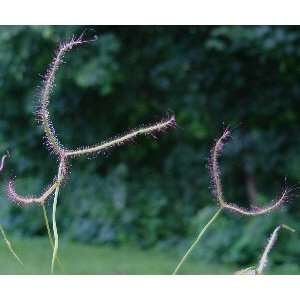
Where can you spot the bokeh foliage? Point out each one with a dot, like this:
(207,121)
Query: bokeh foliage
(156,192)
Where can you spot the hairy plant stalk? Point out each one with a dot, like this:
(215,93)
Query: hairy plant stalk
(264,258)
(8,243)
(63,154)
(54,226)
(48,84)
(259,269)
(217,184)
(14,196)
(170,122)
(189,251)
(52,141)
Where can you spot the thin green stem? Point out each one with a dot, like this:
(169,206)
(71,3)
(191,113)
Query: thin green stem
(10,246)
(288,228)
(54,226)
(49,232)
(47,225)
(197,240)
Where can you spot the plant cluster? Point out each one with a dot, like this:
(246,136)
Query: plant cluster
(223,204)
(64,156)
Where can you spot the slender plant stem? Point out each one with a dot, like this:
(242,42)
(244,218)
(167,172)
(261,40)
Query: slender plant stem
(10,246)
(54,227)
(47,225)
(49,232)
(197,240)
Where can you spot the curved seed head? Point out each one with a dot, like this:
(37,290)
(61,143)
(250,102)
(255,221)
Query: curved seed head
(218,189)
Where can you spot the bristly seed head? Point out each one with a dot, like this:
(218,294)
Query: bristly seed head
(271,242)
(42,112)
(12,195)
(217,184)
(259,269)
(214,166)
(15,197)
(120,140)
(52,141)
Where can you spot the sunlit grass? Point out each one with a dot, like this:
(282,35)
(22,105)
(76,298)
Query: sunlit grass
(83,259)
(86,259)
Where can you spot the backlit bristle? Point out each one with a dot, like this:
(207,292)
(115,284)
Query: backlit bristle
(52,142)
(48,83)
(218,189)
(120,140)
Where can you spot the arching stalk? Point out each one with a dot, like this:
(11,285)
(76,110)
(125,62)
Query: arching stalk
(8,243)
(189,251)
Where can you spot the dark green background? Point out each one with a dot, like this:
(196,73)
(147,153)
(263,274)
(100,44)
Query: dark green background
(156,192)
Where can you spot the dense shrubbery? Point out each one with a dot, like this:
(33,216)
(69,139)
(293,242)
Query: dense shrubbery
(149,192)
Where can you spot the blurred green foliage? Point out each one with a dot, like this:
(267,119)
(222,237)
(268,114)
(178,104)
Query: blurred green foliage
(157,191)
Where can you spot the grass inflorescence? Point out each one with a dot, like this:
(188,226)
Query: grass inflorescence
(217,190)
(62,153)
